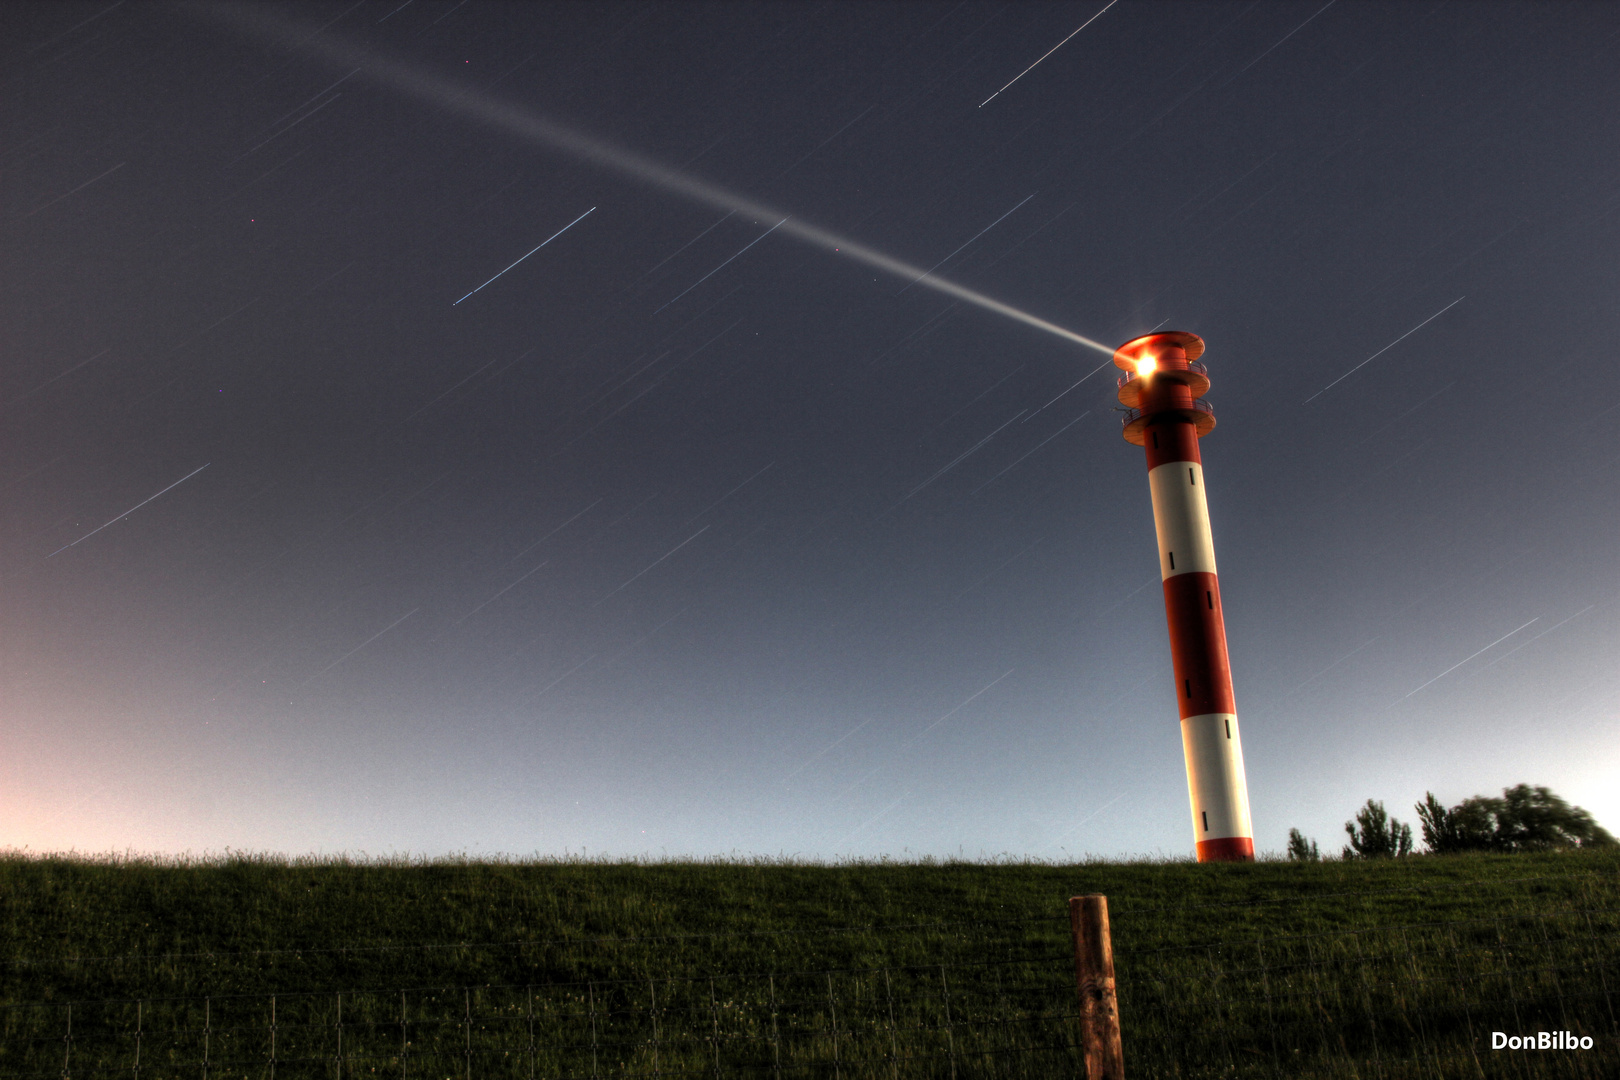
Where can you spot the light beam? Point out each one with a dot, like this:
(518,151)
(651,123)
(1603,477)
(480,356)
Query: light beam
(535,128)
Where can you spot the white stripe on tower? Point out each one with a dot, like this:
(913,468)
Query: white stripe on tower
(1181,517)
(1215,782)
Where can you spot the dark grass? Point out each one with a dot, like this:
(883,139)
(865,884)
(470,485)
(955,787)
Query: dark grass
(552,968)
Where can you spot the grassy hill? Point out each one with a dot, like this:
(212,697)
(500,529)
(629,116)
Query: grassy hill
(260,966)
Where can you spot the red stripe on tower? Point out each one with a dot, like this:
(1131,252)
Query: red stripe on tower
(1162,390)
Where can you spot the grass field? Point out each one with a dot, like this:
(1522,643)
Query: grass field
(258,967)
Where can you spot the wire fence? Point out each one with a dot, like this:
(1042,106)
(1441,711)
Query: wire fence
(1418,999)
(1228,990)
(1008,1018)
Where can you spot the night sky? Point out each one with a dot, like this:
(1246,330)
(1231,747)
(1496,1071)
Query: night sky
(696,532)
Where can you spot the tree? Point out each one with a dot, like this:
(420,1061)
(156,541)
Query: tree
(1379,835)
(1525,818)
(1468,826)
(1534,819)
(1301,849)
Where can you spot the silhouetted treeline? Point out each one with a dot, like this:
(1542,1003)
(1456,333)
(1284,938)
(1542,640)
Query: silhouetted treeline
(1523,819)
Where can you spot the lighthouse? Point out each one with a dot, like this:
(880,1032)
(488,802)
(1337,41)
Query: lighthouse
(1162,391)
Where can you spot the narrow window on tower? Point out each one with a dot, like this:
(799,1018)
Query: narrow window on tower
(1210,596)
(1155,440)
(1188,684)
(1228,727)
(1172,560)
(1205,815)
(1190,479)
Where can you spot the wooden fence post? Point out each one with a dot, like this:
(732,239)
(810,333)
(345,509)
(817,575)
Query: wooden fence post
(1094,976)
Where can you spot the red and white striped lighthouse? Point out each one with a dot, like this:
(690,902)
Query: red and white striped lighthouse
(1162,390)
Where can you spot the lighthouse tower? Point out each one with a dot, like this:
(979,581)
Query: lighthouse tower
(1162,390)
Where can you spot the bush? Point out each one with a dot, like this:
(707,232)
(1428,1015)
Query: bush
(1379,835)
(1301,849)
